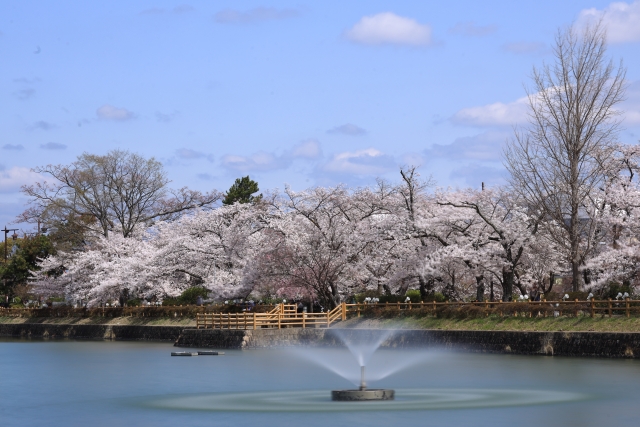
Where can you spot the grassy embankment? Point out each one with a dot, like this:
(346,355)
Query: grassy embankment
(566,324)
(496,323)
(140,321)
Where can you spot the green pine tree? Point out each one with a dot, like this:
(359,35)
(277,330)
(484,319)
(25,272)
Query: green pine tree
(241,191)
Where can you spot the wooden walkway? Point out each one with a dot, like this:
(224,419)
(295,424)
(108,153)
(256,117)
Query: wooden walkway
(283,316)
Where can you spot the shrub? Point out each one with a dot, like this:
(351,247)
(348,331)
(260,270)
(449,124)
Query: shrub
(190,295)
(437,297)
(171,301)
(614,289)
(414,294)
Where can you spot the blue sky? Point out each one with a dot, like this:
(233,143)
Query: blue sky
(300,93)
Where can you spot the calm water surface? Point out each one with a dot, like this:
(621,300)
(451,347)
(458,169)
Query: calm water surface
(83,383)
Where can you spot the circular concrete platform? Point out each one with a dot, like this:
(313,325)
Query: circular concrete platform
(362,395)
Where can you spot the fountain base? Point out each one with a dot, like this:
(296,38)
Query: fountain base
(362,395)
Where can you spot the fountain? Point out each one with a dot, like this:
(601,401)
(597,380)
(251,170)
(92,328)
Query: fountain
(362,393)
(363,352)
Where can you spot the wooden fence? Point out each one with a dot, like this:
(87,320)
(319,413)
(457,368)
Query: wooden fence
(282,316)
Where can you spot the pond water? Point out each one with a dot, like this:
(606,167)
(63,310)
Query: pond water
(130,383)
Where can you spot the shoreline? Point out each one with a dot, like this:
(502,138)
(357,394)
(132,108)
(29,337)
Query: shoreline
(606,344)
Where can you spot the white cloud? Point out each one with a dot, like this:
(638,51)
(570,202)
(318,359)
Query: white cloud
(622,21)
(252,16)
(632,117)
(53,146)
(260,161)
(309,149)
(475,174)
(166,117)
(188,154)
(482,147)
(109,112)
(473,30)
(12,179)
(265,161)
(362,162)
(389,28)
(496,114)
(348,129)
(16,147)
(631,106)
(42,125)
(25,94)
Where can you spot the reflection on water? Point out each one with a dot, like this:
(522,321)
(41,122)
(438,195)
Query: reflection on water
(126,383)
(319,401)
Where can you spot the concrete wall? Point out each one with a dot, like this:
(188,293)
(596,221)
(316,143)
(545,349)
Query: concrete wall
(581,344)
(100,332)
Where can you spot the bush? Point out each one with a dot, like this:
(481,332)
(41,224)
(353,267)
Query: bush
(437,297)
(136,302)
(191,295)
(614,289)
(414,294)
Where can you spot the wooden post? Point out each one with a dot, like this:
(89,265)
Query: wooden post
(626,300)
(609,307)
(344,311)
(254,321)
(279,319)
(304,318)
(593,307)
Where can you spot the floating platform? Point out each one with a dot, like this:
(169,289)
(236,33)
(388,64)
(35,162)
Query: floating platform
(197,353)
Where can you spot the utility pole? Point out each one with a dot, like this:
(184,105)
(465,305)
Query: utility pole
(14,237)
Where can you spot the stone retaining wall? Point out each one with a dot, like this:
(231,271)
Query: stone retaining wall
(99,332)
(577,344)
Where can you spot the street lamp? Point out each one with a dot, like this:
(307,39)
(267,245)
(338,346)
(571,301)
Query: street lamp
(14,236)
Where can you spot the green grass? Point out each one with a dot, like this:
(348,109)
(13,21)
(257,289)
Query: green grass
(491,323)
(149,321)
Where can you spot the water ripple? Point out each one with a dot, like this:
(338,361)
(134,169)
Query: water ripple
(320,401)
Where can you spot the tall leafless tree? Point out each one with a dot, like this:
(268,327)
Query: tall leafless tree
(100,193)
(572,119)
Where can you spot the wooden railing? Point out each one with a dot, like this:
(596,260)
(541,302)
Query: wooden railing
(283,316)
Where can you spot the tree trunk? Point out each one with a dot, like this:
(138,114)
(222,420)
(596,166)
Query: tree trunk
(575,276)
(480,288)
(426,288)
(507,284)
